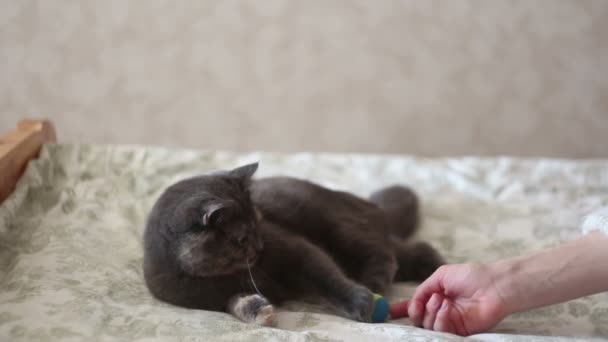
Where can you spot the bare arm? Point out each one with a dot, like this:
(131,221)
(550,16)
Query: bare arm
(470,298)
(555,275)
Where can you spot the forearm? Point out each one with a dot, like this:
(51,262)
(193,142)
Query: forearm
(562,273)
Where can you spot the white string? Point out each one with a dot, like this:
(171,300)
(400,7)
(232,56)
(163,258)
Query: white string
(251,277)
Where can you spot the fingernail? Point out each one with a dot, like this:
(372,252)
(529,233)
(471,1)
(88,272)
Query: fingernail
(444,305)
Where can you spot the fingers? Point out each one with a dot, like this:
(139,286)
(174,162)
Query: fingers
(443,321)
(416,312)
(431,285)
(432,306)
(424,292)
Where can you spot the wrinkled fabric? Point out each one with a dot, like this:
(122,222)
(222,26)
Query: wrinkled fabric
(71,240)
(596,221)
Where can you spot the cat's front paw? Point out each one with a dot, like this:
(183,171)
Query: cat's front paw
(253,309)
(265,316)
(360,304)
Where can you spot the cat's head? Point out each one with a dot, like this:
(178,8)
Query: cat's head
(210,222)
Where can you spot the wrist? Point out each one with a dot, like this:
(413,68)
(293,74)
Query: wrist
(506,275)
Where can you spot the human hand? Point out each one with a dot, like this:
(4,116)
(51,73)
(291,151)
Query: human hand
(461,299)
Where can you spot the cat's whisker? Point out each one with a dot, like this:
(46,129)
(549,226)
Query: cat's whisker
(251,277)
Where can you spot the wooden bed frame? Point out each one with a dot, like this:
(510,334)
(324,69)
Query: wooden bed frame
(20,146)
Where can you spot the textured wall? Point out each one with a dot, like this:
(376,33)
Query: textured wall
(428,77)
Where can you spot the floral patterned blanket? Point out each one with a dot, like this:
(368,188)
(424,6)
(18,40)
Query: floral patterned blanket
(71,251)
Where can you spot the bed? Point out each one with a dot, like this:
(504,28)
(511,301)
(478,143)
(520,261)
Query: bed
(71,252)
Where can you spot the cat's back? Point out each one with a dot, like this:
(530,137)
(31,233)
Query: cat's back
(283,193)
(314,211)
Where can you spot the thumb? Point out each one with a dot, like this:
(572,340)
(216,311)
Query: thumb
(431,285)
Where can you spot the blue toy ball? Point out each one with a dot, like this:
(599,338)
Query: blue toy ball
(381,308)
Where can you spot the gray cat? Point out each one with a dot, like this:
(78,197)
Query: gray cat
(227,242)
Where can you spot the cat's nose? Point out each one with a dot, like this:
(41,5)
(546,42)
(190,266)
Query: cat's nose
(241,240)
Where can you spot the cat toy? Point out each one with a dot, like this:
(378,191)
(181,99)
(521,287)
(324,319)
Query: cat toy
(381,309)
(399,310)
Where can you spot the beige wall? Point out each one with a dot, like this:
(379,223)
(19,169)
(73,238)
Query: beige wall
(445,77)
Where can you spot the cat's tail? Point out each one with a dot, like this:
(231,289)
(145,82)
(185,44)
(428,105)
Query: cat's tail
(400,205)
(417,260)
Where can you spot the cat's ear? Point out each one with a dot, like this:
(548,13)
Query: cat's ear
(211,213)
(245,172)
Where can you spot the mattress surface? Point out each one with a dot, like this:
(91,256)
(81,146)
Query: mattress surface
(71,246)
